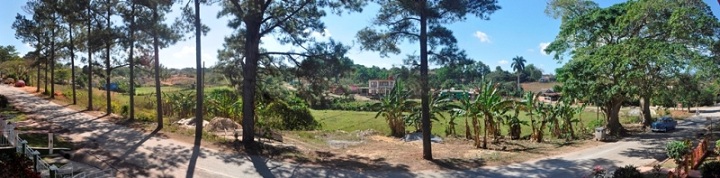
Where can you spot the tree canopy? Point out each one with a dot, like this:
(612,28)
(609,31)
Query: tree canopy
(622,51)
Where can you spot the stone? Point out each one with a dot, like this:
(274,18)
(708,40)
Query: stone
(222,124)
(417,136)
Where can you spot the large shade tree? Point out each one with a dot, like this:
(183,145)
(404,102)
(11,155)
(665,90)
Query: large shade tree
(621,52)
(291,22)
(422,21)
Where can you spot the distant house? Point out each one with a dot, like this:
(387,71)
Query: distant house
(458,94)
(550,95)
(380,87)
(338,90)
(546,78)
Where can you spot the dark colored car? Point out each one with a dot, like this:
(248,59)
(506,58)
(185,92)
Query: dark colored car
(664,124)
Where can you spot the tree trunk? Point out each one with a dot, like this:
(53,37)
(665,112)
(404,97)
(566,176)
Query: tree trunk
(613,119)
(518,82)
(37,88)
(515,131)
(90,63)
(485,136)
(253,20)
(158,91)
(132,63)
(199,86)
(645,108)
(476,131)
(72,63)
(47,62)
(468,135)
(52,61)
(424,97)
(108,97)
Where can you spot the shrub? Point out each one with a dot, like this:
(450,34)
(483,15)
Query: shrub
(595,123)
(628,171)
(125,111)
(717,147)
(677,149)
(280,115)
(146,117)
(710,169)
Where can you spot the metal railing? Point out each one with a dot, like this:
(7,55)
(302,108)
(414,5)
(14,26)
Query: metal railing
(11,138)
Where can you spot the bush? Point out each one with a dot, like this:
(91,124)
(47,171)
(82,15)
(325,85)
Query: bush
(677,149)
(280,115)
(710,169)
(628,171)
(146,117)
(595,123)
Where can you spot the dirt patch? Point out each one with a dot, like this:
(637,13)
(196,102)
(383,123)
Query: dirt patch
(452,153)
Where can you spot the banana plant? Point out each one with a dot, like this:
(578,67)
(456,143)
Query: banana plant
(468,110)
(439,104)
(393,107)
(513,121)
(490,103)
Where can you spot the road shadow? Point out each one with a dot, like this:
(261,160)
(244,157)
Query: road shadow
(541,168)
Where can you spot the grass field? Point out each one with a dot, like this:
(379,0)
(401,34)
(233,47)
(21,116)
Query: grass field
(356,120)
(330,119)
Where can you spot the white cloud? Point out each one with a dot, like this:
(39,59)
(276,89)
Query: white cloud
(503,62)
(542,47)
(530,50)
(484,38)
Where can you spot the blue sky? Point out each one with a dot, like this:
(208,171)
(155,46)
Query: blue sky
(520,28)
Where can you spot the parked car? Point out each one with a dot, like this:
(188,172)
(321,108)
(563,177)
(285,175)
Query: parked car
(664,124)
(20,83)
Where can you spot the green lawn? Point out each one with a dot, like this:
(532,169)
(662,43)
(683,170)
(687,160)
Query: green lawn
(151,89)
(13,114)
(41,140)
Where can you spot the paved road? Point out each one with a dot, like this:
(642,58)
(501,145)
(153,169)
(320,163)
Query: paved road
(136,154)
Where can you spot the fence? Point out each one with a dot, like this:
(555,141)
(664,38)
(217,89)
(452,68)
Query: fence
(698,154)
(11,138)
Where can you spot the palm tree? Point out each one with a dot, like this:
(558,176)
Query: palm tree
(518,65)
(393,107)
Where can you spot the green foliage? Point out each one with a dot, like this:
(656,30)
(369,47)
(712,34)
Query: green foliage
(223,103)
(180,104)
(439,104)
(595,123)
(280,115)
(62,75)
(628,171)
(393,107)
(677,150)
(625,50)
(710,169)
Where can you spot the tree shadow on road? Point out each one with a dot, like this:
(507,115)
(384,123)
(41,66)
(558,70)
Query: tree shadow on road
(542,168)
